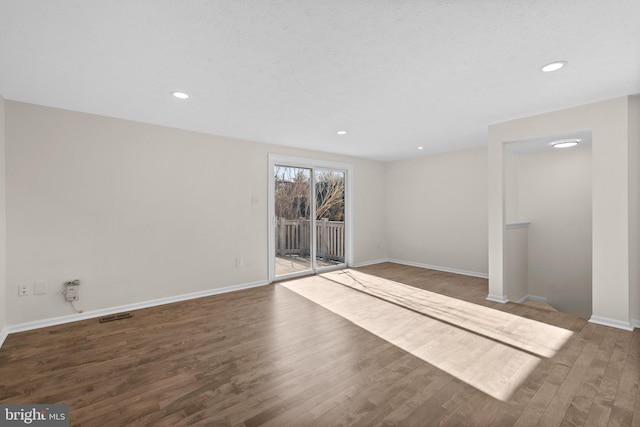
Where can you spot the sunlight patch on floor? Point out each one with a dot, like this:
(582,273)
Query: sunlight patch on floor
(492,367)
(295,264)
(526,334)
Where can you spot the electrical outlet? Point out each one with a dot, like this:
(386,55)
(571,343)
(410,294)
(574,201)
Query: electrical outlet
(71,293)
(40,287)
(23,290)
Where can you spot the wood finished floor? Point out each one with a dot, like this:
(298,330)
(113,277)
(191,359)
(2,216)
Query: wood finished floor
(268,356)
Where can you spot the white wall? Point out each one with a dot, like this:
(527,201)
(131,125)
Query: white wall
(3,218)
(139,212)
(608,121)
(554,194)
(511,187)
(634,206)
(136,211)
(437,210)
(370,201)
(517,263)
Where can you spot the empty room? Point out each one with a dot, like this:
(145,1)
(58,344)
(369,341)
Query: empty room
(320,213)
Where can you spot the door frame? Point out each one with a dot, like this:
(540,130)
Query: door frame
(277,159)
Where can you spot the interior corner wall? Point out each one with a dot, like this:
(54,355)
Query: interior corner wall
(140,212)
(608,121)
(517,263)
(437,210)
(511,187)
(554,192)
(3,222)
(634,206)
(370,201)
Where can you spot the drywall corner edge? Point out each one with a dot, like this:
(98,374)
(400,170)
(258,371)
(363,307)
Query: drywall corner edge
(612,323)
(439,268)
(531,298)
(371,262)
(497,298)
(3,336)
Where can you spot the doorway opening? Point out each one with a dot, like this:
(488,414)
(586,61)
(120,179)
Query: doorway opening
(548,229)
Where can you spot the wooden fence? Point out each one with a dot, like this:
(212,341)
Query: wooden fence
(293,238)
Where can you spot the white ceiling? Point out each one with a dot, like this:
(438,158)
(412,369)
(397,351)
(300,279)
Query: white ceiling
(395,74)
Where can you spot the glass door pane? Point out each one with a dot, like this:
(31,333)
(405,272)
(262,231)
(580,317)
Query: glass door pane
(293,240)
(330,214)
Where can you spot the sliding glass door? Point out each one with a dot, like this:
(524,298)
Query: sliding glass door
(329,215)
(293,239)
(309,211)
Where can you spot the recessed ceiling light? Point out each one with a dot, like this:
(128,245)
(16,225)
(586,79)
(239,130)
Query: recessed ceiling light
(565,143)
(342,132)
(420,148)
(180,95)
(554,66)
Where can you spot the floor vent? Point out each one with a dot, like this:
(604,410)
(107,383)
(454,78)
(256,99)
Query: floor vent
(111,318)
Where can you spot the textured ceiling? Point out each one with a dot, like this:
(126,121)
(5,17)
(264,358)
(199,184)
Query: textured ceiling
(395,74)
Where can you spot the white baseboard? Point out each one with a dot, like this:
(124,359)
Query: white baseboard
(498,298)
(3,335)
(635,323)
(532,298)
(627,326)
(435,267)
(21,327)
(365,263)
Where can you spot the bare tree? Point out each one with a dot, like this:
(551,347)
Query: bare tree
(330,195)
(292,193)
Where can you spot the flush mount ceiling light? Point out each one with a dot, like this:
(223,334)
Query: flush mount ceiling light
(420,148)
(554,66)
(342,132)
(180,95)
(565,143)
